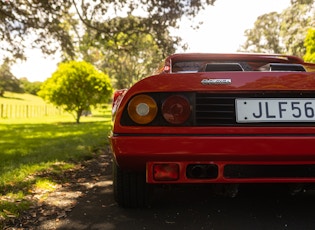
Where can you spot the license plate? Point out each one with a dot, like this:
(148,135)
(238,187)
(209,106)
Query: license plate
(275,110)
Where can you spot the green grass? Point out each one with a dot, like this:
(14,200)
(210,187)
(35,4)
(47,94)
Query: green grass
(18,98)
(33,146)
(27,148)
(16,105)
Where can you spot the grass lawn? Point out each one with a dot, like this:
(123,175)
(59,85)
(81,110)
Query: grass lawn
(17,105)
(24,98)
(32,146)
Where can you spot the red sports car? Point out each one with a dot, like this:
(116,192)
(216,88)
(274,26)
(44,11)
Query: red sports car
(215,119)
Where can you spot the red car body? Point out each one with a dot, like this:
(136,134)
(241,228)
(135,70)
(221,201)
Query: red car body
(217,118)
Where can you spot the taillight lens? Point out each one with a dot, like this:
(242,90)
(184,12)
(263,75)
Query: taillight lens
(142,109)
(176,109)
(166,172)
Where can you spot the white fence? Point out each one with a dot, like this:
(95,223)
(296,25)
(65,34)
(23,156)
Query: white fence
(27,111)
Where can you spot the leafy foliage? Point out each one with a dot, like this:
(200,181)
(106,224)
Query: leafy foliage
(264,37)
(50,24)
(76,86)
(281,32)
(310,46)
(128,54)
(36,23)
(296,20)
(8,82)
(30,87)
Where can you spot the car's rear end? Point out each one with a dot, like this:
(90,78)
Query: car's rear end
(216,119)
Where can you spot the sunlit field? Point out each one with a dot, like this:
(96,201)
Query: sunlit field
(15,105)
(31,146)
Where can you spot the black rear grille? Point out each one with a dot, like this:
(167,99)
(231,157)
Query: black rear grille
(214,109)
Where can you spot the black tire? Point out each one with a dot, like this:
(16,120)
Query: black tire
(130,188)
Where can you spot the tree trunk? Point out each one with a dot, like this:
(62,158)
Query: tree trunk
(79,113)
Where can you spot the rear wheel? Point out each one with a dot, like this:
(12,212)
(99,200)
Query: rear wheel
(130,188)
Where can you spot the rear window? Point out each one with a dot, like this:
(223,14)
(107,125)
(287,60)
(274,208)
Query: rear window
(187,66)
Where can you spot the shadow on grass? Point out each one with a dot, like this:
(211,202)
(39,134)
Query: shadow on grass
(32,151)
(15,98)
(87,195)
(107,116)
(45,209)
(37,144)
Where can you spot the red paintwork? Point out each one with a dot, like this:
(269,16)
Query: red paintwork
(220,145)
(133,153)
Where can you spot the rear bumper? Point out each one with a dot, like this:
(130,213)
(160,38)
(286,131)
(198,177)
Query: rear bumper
(282,158)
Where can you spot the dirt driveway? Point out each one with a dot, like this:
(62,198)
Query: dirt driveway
(89,204)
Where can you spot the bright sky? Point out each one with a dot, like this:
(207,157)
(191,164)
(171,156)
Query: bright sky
(222,31)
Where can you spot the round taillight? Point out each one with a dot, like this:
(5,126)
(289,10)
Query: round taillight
(176,109)
(142,109)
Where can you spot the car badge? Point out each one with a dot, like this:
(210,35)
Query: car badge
(216,81)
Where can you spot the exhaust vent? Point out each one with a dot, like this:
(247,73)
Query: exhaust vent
(202,171)
(217,67)
(283,67)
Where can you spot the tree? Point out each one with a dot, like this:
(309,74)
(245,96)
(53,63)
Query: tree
(296,20)
(36,23)
(128,54)
(30,87)
(45,24)
(264,37)
(310,46)
(8,82)
(76,87)
(281,33)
